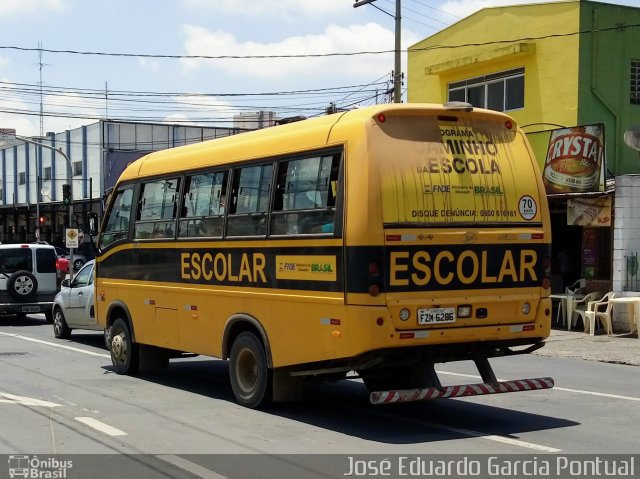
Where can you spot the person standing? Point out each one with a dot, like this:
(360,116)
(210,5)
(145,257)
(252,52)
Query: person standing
(62,267)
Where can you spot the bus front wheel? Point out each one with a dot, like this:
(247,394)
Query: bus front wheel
(251,379)
(124,352)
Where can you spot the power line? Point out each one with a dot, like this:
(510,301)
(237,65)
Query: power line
(418,13)
(436,9)
(84,103)
(195,57)
(100,93)
(167,105)
(374,82)
(155,104)
(319,55)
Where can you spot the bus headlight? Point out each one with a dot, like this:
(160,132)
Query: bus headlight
(526,308)
(404,314)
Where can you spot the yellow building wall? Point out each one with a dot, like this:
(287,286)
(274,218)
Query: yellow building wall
(541,38)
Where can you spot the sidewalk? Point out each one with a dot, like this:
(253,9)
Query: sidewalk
(623,349)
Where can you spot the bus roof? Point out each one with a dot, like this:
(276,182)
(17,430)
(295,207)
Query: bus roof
(279,140)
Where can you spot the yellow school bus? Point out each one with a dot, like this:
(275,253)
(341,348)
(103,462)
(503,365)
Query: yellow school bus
(372,243)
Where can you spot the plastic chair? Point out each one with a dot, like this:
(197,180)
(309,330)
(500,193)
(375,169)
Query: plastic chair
(576,287)
(580,306)
(599,310)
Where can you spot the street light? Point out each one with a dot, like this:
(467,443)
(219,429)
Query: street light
(397,74)
(57,150)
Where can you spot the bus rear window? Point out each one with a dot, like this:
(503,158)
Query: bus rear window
(471,169)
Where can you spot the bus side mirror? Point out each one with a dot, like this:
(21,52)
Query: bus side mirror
(93,223)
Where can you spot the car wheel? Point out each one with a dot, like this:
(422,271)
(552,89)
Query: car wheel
(124,352)
(77,264)
(250,376)
(60,328)
(22,286)
(107,338)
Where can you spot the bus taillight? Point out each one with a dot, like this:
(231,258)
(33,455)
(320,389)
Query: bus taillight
(373,270)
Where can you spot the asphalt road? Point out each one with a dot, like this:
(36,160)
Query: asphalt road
(62,397)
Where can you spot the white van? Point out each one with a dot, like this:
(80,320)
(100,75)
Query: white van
(27,279)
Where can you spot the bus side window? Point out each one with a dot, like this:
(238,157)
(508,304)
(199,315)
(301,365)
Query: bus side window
(204,205)
(117,224)
(157,209)
(249,201)
(305,196)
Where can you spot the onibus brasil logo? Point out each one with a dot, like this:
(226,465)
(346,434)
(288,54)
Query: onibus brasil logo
(33,467)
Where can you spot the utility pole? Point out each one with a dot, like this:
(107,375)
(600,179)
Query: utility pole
(397,74)
(397,71)
(57,150)
(40,64)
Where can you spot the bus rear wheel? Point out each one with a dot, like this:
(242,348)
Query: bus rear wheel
(124,352)
(251,378)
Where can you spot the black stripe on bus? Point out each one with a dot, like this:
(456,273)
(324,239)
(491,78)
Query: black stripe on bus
(392,269)
(296,268)
(446,267)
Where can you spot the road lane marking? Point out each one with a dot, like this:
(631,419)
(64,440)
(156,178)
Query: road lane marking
(481,435)
(25,401)
(502,439)
(556,388)
(100,426)
(596,393)
(56,345)
(192,467)
(463,432)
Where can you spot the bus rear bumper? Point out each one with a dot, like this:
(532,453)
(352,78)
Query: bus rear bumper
(464,390)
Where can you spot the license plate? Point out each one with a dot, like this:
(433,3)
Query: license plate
(436,315)
(31,309)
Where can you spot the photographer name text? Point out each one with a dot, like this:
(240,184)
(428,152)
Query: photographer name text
(493,465)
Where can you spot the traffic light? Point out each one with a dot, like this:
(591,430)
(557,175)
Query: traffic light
(42,220)
(66,194)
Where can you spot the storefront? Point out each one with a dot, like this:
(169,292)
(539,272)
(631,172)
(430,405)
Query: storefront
(581,205)
(582,235)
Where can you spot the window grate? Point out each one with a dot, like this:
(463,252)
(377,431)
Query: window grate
(635,82)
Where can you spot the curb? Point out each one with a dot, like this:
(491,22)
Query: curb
(615,349)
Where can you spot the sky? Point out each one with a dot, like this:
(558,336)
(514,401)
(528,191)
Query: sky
(142,60)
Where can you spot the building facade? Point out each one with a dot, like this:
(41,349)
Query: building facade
(550,66)
(32,177)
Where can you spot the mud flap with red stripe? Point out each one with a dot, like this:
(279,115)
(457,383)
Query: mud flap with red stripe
(408,395)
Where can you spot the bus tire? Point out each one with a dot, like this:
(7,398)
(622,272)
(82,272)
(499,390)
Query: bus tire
(124,352)
(251,378)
